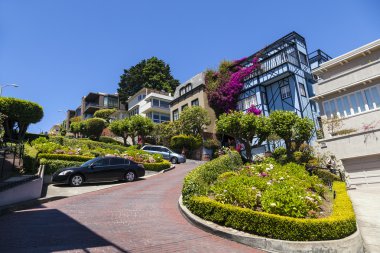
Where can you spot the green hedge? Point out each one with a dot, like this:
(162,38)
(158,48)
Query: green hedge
(157,166)
(52,166)
(89,143)
(197,182)
(326,176)
(77,158)
(341,223)
(30,159)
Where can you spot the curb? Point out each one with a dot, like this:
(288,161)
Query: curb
(172,167)
(350,244)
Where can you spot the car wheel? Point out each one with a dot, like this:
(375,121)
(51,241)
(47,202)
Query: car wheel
(130,176)
(174,160)
(76,180)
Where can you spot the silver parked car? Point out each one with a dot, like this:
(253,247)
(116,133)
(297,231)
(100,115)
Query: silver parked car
(167,153)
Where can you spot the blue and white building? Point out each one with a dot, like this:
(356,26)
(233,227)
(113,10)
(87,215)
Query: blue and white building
(284,81)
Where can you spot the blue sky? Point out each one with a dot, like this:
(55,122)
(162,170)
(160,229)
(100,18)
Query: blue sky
(58,51)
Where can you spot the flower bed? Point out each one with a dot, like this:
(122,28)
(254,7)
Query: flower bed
(243,199)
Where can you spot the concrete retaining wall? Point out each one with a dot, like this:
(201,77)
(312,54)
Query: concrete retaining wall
(26,191)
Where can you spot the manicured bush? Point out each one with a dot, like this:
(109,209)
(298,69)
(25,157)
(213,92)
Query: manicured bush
(94,127)
(20,113)
(52,166)
(326,176)
(77,158)
(340,224)
(157,166)
(211,144)
(30,159)
(197,182)
(109,140)
(188,142)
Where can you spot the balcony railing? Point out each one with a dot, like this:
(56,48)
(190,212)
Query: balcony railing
(274,61)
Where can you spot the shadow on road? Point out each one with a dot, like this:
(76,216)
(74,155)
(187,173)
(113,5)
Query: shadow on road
(47,231)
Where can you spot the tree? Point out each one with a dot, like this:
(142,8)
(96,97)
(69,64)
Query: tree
(20,114)
(186,142)
(141,126)
(152,73)
(302,131)
(244,127)
(122,128)
(291,128)
(77,127)
(163,132)
(104,114)
(94,127)
(193,120)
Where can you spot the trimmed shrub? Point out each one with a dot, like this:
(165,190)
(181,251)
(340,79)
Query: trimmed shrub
(109,140)
(157,166)
(189,142)
(30,159)
(77,158)
(326,176)
(52,166)
(197,182)
(340,224)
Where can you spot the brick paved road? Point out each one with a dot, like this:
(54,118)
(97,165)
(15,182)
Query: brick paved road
(142,216)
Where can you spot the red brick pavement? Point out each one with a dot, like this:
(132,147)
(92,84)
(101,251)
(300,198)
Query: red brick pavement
(142,216)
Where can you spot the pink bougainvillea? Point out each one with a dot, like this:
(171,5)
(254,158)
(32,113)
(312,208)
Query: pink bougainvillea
(254,110)
(224,99)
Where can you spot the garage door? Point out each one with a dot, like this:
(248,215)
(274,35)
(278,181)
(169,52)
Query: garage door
(363,170)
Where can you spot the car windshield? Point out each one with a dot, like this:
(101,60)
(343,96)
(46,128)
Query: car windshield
(88,163)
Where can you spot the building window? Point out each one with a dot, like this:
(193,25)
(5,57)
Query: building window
(195,102)
(164,104)
(353,103)
(302,89)
(184,107)
(182,91)
(285,91)
(303,58)
(175,115)
(141,97)
(156,102)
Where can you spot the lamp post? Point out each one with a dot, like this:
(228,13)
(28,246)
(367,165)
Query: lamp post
(6,85)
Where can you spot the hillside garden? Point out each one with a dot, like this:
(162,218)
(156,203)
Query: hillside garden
(60,152)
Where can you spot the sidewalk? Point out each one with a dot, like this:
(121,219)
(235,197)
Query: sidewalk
(366,202)
(54,191)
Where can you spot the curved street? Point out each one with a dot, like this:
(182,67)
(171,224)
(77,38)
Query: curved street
(142,216)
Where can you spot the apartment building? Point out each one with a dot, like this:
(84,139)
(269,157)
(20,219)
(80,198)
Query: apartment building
(348,94)
(192,93)
(150,103)
(93,102)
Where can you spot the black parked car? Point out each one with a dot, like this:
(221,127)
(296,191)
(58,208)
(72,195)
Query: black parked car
(100,169)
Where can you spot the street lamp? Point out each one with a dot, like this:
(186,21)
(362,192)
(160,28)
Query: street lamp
(6,85)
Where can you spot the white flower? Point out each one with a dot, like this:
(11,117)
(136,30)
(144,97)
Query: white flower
(271,166)
(269,183)
(309,198)
(225,191)
(281,178)
(272,204)
(253,188)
